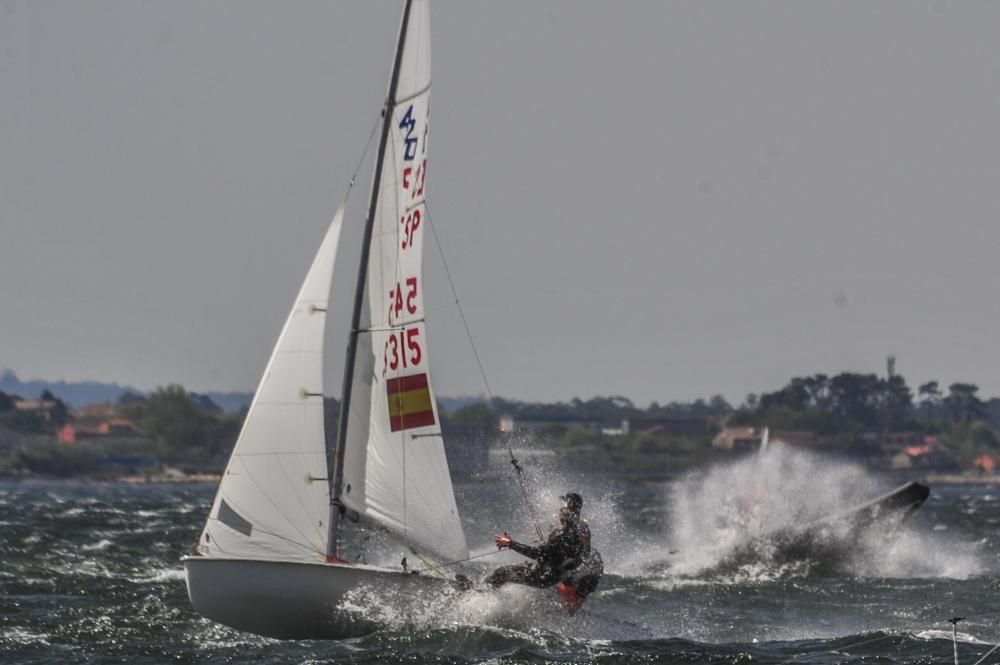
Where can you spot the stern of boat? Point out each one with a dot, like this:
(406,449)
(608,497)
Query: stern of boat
(282,599)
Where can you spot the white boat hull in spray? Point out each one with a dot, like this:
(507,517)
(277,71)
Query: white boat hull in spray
(291,600)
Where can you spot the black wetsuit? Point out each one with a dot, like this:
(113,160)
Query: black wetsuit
(555,560)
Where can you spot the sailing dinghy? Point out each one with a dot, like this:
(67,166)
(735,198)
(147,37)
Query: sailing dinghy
(269,558)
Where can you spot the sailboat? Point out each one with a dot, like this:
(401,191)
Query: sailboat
(269,560)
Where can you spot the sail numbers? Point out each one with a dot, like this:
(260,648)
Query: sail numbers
(396,298)
(404,360)
(409,140)
(402,349)
(413,181)
(413,178)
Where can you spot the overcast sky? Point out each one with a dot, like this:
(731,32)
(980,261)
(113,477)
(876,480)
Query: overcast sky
(659,200)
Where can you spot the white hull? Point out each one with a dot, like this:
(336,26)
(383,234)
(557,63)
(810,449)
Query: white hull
(290,600)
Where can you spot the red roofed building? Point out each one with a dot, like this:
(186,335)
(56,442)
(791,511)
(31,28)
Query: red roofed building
(107,428)
(985,464)
(95,412)
(738,438)
(73,433)
(931,455)
(118,427)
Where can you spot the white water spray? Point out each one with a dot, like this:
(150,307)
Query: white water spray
(749,516)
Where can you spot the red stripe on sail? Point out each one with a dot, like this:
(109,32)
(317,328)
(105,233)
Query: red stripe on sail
(411,420)
(405,383)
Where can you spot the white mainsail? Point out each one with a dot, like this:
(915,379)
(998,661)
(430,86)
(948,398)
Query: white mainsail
(274,498)
(395,470)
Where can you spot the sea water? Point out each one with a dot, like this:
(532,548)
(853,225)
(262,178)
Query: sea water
(92,574)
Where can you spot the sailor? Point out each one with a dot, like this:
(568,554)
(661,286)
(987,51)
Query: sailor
(566,558)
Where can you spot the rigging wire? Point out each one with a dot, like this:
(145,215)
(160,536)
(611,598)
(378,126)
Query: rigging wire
(368,145)
(997,646)
(433,567)
(428,566)
(518,469)
(461,312)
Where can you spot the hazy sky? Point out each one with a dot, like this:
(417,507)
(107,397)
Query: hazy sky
(660,200)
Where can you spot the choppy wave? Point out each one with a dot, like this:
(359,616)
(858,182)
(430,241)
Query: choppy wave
(92,574)
(102,544)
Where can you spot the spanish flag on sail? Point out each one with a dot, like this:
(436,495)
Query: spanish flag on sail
(410,403)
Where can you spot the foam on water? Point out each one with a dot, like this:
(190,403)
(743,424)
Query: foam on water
(22,636)
(159,575)
(530,614)
(732,515)
(935,634)
(102,544)
(916,553)
(441,608)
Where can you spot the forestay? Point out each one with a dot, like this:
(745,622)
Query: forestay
(274,497)
(395,471)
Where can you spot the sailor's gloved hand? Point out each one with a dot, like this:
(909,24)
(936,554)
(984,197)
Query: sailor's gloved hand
(503,541)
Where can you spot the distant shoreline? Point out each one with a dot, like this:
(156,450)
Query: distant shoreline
(933,479)
(961,479)
(193,479)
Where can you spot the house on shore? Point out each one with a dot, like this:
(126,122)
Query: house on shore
(749,438)
(540,424)
(931,454)
(96,421)
(95,412)
(41,407)
(738,438)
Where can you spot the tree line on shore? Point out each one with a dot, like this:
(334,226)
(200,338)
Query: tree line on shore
(188,431)
(858,411)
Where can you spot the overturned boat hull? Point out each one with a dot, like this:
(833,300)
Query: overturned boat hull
(896,506)
(836,537)
(292,600)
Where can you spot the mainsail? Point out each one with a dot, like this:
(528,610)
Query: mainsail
(274,497)
(395,472)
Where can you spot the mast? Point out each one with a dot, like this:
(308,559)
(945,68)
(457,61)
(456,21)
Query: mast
(335,457)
